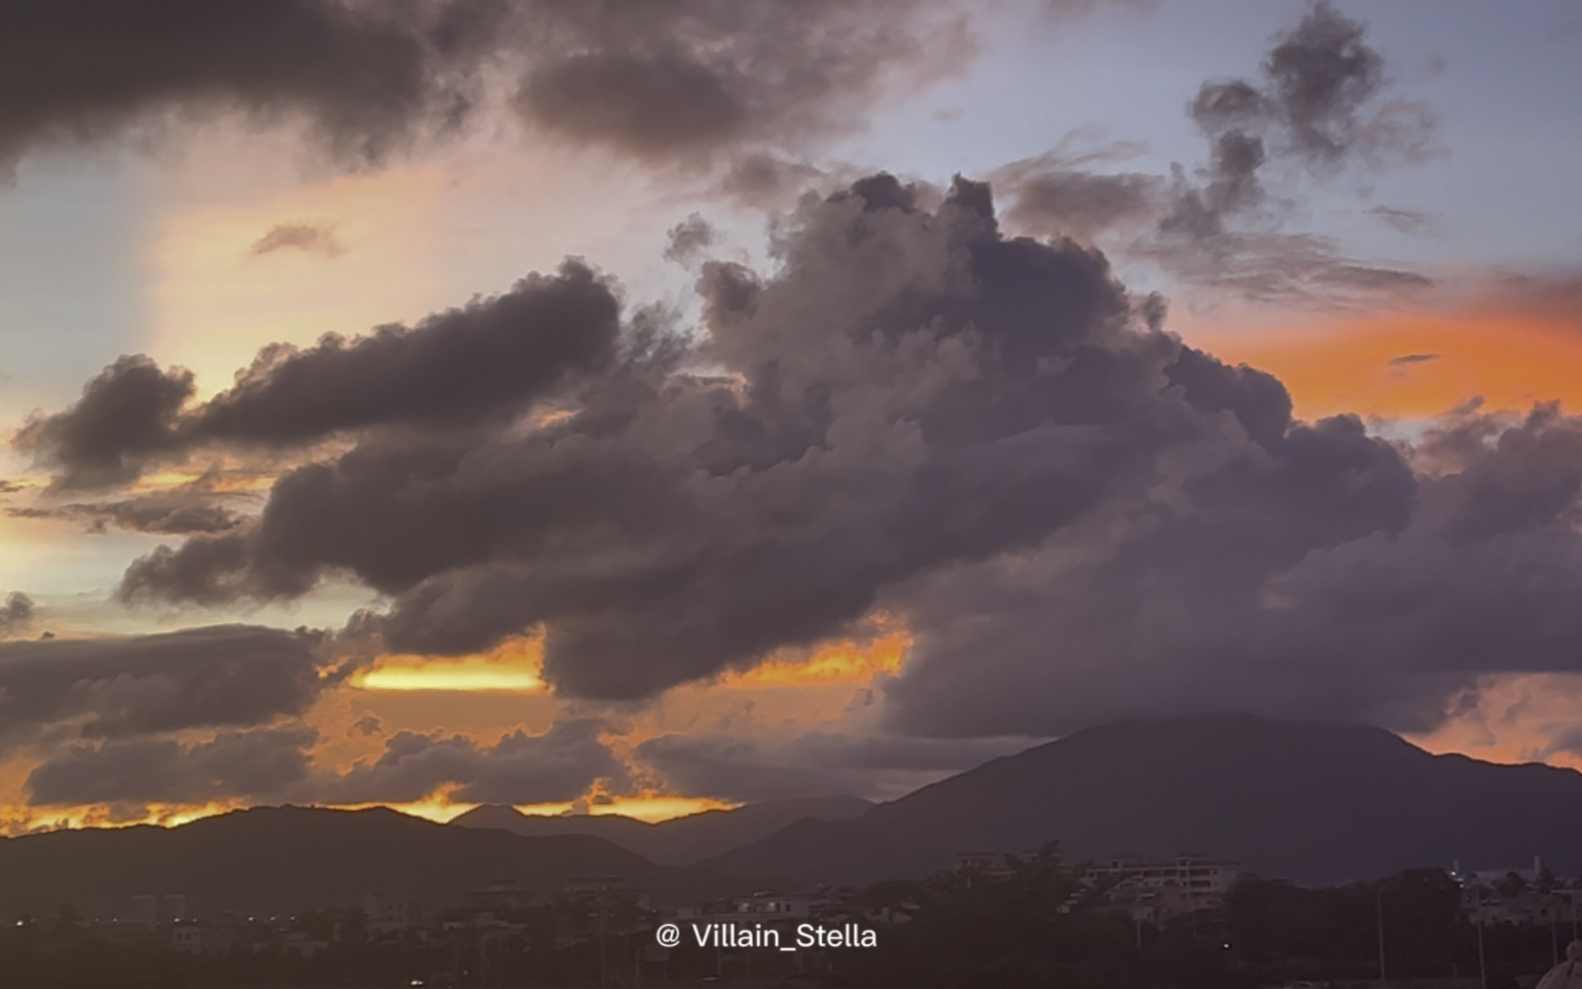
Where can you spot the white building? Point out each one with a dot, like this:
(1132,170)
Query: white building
(1168,887)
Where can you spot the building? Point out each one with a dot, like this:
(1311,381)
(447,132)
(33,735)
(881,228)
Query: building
(1156,890)
(767,907)
(387,915)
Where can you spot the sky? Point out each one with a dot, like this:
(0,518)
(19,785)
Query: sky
(642,408)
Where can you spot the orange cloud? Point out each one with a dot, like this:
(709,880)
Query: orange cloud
(846,661)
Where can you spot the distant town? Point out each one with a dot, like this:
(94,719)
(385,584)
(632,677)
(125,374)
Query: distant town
(1194,920)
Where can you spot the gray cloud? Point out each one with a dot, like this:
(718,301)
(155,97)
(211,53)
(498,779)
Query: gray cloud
(1318,105)
(489,359)
(688,239)
(557,766)
(314,238)
(257,764)
(1082,518)
(691,81)
(688,78)
(16,614)
(978,393)
(1464,572)
(126,414)
(1406,221)
(195,507)
(1406,360)
(273,764)
(370,77)
(228,675)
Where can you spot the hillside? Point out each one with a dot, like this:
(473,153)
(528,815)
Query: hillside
(681,840)
(1316,804)
(287,859)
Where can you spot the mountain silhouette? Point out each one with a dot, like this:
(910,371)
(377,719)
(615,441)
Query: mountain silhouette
(680,840)
(282,860)
(1315,804)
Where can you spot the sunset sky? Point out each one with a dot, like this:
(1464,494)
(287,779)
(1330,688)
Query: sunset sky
(694,430)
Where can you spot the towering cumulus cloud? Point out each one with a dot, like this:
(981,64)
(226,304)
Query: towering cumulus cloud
(1080,517)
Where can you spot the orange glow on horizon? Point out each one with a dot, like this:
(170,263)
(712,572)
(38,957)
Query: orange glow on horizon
(1512,360)
(653,809)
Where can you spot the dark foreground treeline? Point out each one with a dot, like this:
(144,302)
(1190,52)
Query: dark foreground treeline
(1038,923)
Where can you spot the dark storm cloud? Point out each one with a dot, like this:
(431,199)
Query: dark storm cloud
(1386,619)
(1082,518)
(126,414)
(366,76)
(817,764)
(555,767)
(969,394)
(229,675)
(490,358)
(275,764)
(16,614)
(912,394)
(665,82)
(257,764)
(314,238)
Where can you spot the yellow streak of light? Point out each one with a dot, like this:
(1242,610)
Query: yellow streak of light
(452,676)
(513,667)
(651,809)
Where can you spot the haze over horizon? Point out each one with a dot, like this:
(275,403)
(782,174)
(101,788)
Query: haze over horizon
(639,409)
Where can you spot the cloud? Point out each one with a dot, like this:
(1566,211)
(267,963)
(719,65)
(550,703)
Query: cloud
(16,614)
(1406,221)
(1080,517)
(688,239)
(275,764)
(219,676)
(369,77)
(1391,612)
(1318,105)
(126,415)
(256,764)
(687,81)
(194,507)
(679,524)
(1406,360)
(683,80)
(489,359)
(555,767)
(314,238)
